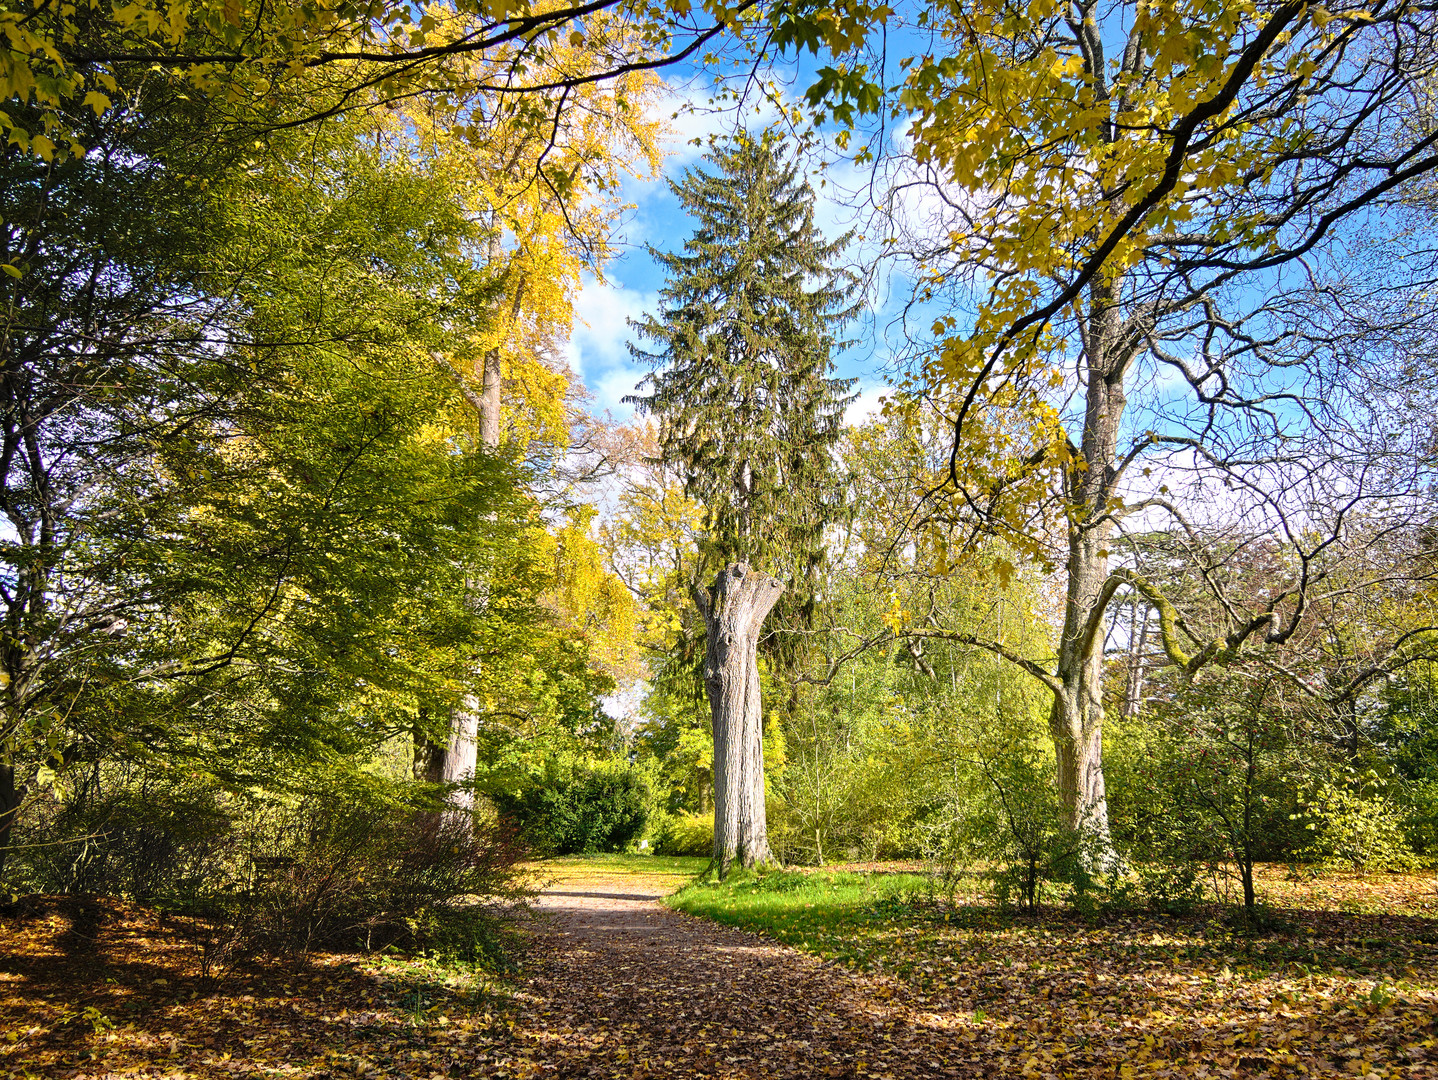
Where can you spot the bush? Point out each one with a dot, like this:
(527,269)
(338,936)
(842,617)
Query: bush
(1356,829)
(589,812)
(686,834)
(122,831)
(368,865)
(370,877)
(1006,823)
(1170,888)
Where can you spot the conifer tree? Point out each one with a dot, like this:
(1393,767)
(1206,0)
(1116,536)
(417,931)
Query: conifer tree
(749,413)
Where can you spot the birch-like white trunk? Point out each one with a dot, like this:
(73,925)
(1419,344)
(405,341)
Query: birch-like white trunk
(456,761)
(734,611)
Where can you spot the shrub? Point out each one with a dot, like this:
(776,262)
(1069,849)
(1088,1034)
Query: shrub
(368,864)
(374,876)
(687,834)
(1006,823)
(122,831)
(588,812)
(1357,829)
(1169,887)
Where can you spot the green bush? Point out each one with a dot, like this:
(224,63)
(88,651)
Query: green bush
(588,812)
(1358,829)
(1421,818)
(687,834)
(1169,887)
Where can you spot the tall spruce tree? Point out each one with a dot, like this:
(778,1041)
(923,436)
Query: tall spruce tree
(749,412)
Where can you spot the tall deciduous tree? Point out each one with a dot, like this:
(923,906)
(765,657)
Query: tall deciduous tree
(1178,280)
(749,414)
(541,238)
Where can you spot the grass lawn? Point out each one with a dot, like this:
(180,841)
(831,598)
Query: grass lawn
(847,917)
(663,873)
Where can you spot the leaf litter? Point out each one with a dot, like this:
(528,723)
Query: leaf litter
(616,985)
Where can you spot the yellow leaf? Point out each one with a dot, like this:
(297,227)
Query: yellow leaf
(97,101)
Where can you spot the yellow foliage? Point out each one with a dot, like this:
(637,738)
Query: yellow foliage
(590,602)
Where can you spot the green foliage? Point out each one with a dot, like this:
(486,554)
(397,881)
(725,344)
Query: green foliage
(1172,888)
(1420,800)
(1356,826)
(1008,823)
(365,875)
(686,834)
(1212,775)
(263,569)
(123,829)
(841,917)
(590,810)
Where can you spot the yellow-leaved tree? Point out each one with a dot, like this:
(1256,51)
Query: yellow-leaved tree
(1175,286)
(540,238)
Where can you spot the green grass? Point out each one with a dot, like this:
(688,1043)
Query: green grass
(659,871)
(856,919)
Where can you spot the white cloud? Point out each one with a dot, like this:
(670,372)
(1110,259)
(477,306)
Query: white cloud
(597,350)
(601,314)
(866,406)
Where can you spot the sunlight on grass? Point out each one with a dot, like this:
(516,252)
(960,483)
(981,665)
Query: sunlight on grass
(849,918)
(654,871)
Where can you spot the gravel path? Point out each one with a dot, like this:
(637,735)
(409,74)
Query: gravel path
(620,986)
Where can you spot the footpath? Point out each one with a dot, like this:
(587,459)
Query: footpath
(618,985)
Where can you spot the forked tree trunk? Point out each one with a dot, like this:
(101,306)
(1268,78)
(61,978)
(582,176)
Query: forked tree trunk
(734,611)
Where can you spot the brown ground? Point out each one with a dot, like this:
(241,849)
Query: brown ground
(617,985)
(622,986)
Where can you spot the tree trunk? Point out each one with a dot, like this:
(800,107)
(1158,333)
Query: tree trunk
(1137,674)
(454,763)
(734,611)
(1076,720)
(490,397)
(10,800)
(457,760)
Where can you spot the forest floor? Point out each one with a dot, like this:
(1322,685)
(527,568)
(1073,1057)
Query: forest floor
(877,979)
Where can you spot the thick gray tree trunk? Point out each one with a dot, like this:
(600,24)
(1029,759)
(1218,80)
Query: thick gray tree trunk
(1076,719)
(734,611)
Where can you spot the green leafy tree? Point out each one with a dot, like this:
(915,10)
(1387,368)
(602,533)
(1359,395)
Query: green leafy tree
(749,414)
(241,475)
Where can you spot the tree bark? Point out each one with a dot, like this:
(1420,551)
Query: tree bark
(10,799)
(457,760)
(490,399)
(1076,720)
(734,611)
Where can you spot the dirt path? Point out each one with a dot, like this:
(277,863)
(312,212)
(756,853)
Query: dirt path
(619,985)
